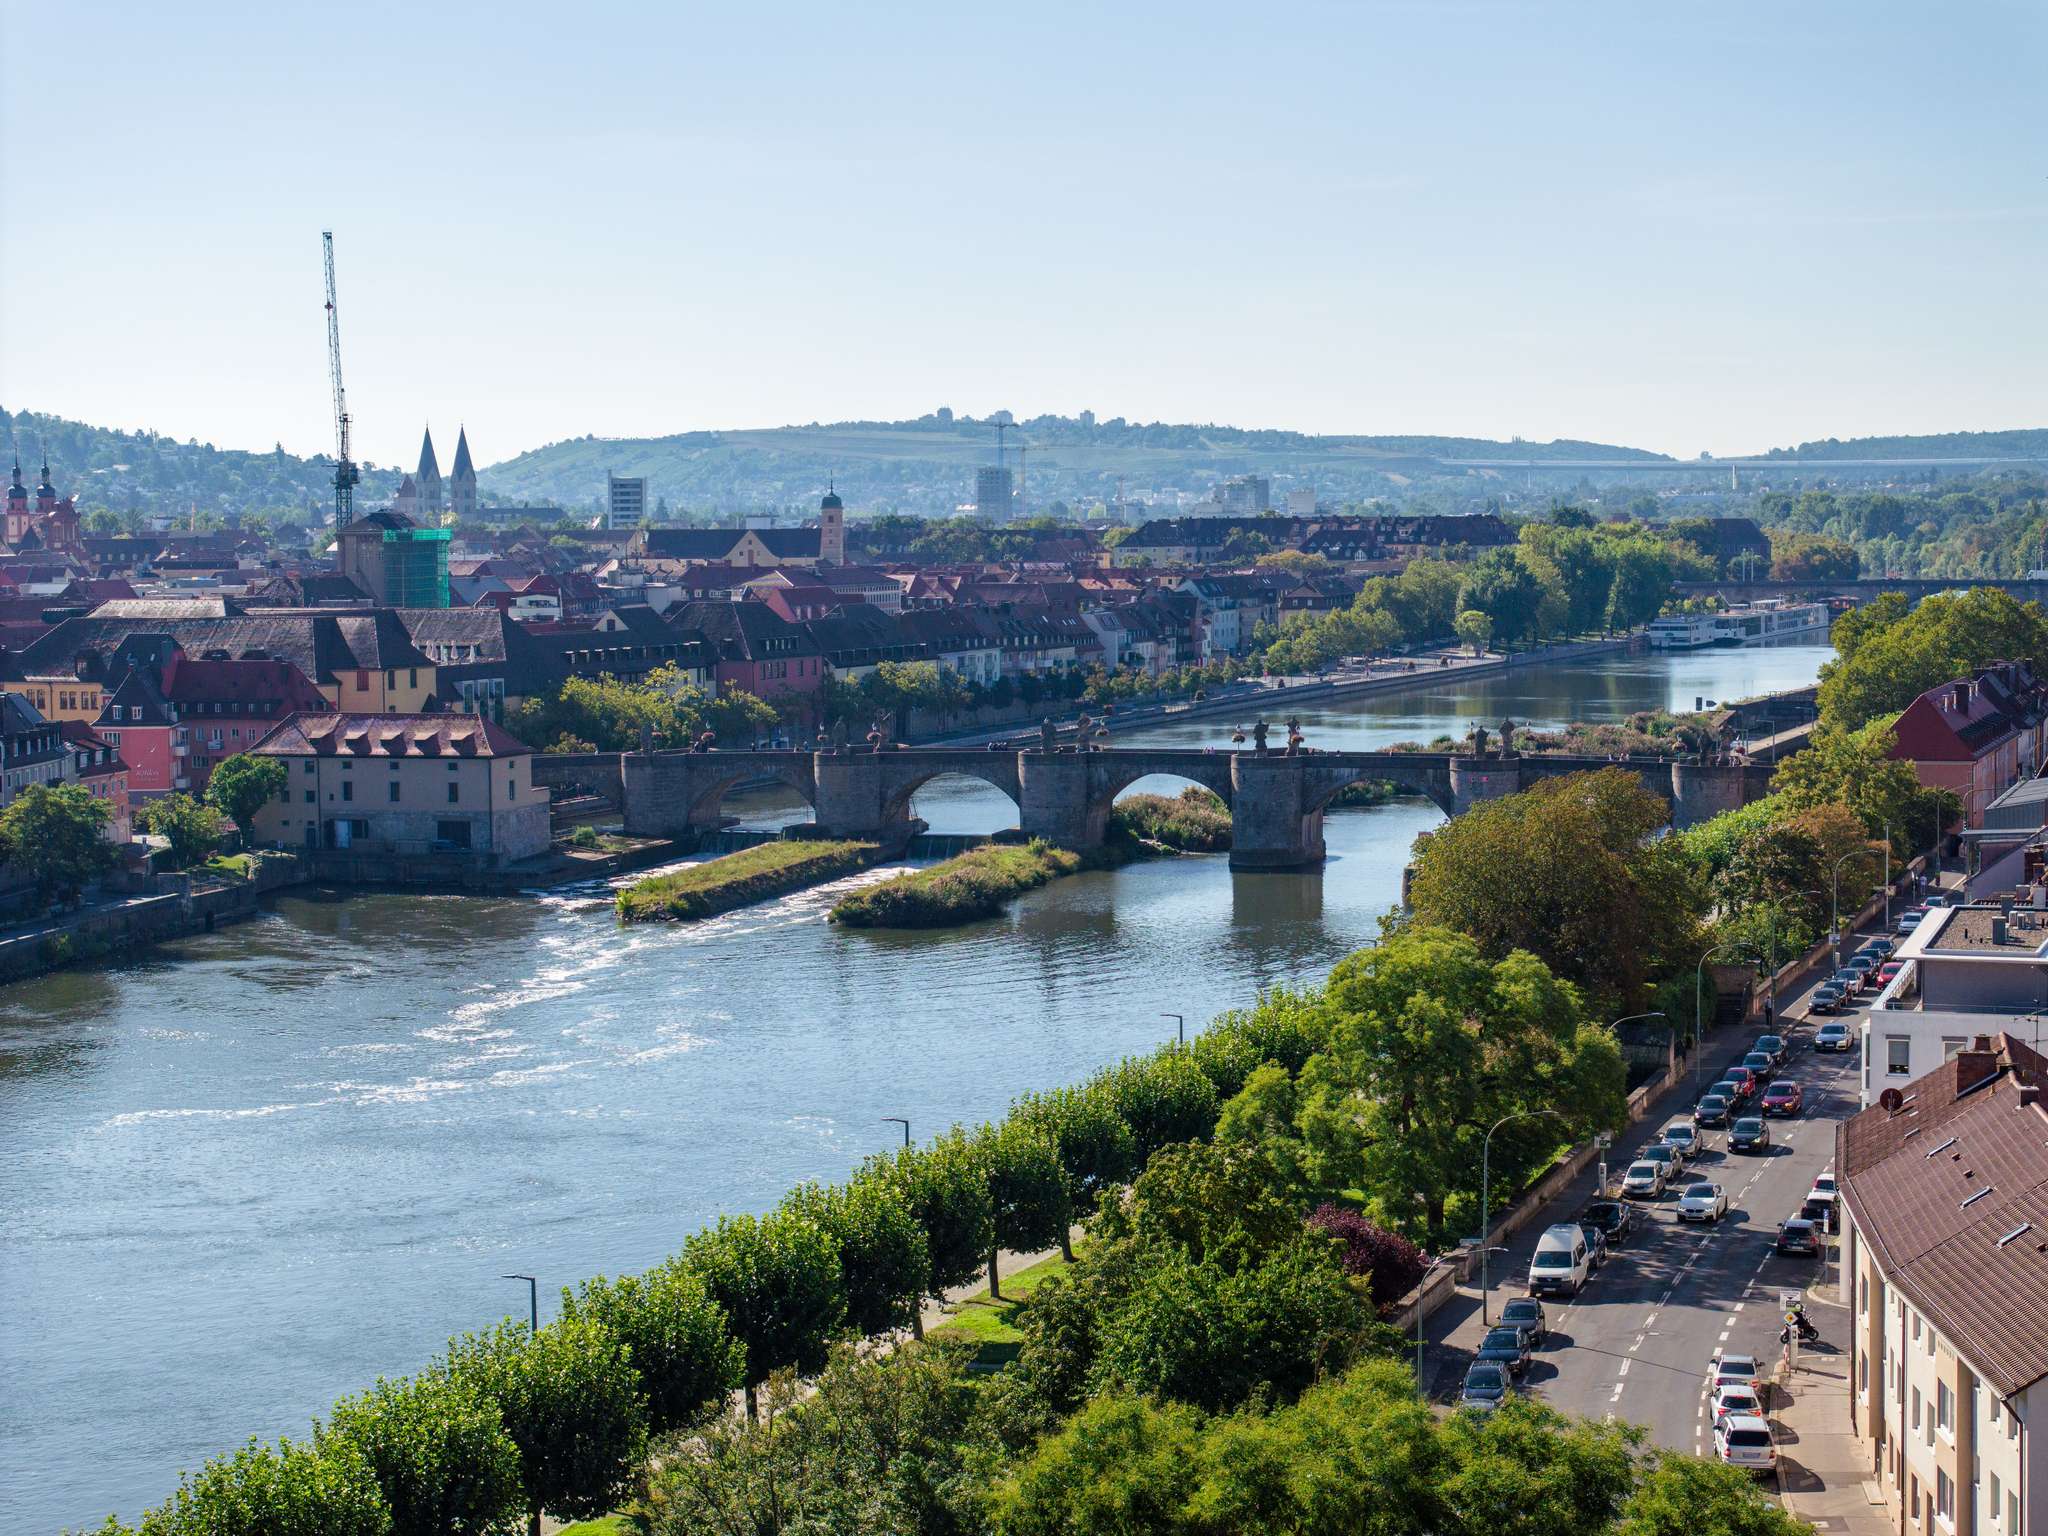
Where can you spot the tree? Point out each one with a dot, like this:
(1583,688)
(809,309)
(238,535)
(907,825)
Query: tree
(1947,636)
(777,1278)
(884,1261)
(242,785)
(570,1401)
(1475,629)
(56,834)
(675,1334)
(945,1184)
(1121,1465)
(1680,1495)
(1093,1142)
(294,1490)
(1027,1191)
(438,1449)
(1500,585)
(193,829)
(1809,557)
(1856,769)
(1391,1265)
(1163,1098)
(1569,871)
(1526,1470)
(1217,1204)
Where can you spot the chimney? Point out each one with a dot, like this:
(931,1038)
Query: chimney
(1975,1065)
(1962,698)
(2030,1093)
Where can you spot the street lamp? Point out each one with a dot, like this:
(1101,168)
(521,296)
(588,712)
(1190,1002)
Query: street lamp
(1422,1200)
(1180,1026)
(1835,898)
(1699,980)
(1656,1013)
(899,1120)
(532,1297)
(1485,1202)
(1887,877)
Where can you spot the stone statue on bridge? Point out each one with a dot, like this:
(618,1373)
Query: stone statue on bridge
(1479,740)
(1259,737)
(1294,736)
(1048,736)
(1507,737)
(839,737)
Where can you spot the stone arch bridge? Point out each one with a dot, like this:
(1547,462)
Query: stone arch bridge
(1276,801)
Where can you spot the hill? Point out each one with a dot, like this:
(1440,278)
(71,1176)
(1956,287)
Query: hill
(928,464)
(2024,443)
(118,472)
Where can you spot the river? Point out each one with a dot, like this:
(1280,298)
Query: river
(248,1173)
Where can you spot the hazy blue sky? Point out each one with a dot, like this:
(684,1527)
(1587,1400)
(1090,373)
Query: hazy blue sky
(1719,226)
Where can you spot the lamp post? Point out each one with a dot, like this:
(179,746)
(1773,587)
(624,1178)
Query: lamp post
(1422,1200)
(1887,877)
(532,1298)
(1180,1028)
(1656,1013)
(1485,1204)
(899,1120)
(1835,899)
(1699,981)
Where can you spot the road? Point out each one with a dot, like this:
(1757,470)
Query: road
(1635,1345)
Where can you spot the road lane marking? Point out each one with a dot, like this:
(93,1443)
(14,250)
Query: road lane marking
(1623,1371)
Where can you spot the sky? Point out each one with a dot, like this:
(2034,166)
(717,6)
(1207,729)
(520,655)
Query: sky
(1691,228)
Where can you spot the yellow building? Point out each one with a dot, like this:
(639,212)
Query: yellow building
(59,696)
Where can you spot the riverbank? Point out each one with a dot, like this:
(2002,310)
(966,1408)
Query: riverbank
(732,880)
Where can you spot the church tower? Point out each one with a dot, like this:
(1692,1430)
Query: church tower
(427,485)
(17,506)
(832,528)
(462,482)
(46,493)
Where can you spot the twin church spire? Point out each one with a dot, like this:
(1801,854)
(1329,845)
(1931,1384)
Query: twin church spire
(420,496)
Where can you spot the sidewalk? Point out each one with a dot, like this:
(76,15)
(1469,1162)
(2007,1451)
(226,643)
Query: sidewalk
(1823,1465)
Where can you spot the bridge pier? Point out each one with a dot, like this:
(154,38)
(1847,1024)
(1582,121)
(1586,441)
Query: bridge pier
(850,801)
(1053,801)
(1474,779)
(1274,823)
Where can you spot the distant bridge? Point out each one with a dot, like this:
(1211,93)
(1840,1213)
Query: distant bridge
(1862,590)
(1276,800)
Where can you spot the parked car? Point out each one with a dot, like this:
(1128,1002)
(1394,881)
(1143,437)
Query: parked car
(1712,1110)
(1487,1386)
(1596,1246)
(1728,1368)
(1881,947)
(1799,1236)
(1504,1346)
(1908,921)
(1747,1081)
(1825,998)
(1614,1219)
(1824,1184)
(1888,972)
(1562,1263)
(1749,1134)
(1525,1313)
(1731,1089)
(1773,1046)
(1823,1211)
(1683,1137)
(1737,1400)
(1744,1440)
(1702,1202)
(1761,1065)
(1644,1181)
(1831,1037)
(1666,1156)
(1848,980)
(1784,1099)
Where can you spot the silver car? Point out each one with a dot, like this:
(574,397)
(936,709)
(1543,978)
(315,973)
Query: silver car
(1643,1181)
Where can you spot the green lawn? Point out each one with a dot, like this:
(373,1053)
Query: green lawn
(610,1525)
(753,874)
(964,889)
(236,864)
(992,1325)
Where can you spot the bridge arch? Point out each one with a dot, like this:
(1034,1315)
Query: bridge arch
(709,787)
(902,781)
(1429,782)
(1110,775)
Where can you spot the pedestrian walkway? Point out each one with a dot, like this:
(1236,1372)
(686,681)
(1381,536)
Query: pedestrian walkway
(1824,1466)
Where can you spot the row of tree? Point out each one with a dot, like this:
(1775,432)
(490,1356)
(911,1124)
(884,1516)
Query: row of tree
(609,714)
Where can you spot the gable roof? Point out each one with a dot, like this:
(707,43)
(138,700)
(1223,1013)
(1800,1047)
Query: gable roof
(371,735)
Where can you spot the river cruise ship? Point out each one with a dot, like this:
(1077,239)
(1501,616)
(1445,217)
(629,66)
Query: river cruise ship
(1684,632)
(1770,619)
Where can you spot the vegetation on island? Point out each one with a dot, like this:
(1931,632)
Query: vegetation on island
(712,886)
(1194,821)
(963,889)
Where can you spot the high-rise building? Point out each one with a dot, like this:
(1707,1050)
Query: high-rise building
(625,500)
(1246,494)
(993,496)
(1302,503)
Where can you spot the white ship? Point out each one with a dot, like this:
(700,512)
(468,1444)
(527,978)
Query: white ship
(1684,632)
(1770,619)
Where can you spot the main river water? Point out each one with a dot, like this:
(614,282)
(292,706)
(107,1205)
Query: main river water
(248,1173)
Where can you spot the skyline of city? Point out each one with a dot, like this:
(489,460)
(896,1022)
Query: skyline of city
(1725,232)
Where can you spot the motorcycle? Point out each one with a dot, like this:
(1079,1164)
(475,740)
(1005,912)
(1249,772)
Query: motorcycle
(1807,1332)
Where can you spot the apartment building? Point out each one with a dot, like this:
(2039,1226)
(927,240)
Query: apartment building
(1944,1188)
(1964,971)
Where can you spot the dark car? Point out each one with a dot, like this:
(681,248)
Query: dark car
(1664,1155)
(1760,1063)
(1786,1099)
(1799,1236)
(1596,1245)
(1487,1386)
(1826,998)
(1613,1218)
(1728,1088)
(1504,1346)
(1712,1110)
(1525,1313)
(1821,1211)
(1750,1134)
(1849,981)
(1771,1045)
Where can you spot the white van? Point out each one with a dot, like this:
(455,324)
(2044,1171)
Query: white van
(1561,1264)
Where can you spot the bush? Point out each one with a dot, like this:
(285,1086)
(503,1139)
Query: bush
(1391,1265)
(294,1490)
(584,836)
(676,1334)
(974,885)
(1195,821)
(438,1449)
(753,874)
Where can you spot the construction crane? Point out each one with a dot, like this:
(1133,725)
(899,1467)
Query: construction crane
(345,472)
(1001,428)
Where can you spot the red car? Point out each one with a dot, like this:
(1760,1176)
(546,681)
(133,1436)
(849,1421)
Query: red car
(1743,1078)
(1783,1098)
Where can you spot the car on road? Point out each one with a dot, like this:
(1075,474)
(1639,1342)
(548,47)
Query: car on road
(1728,1368)
(1712,1110)
(1909,920)
(1614,1219)
(1784,1098)
(1486,1387)
(1644,1181)
(1744,1440)
(1525,1313)
(1799,1236)
(1664,1155)
(1825,998)
(1761,1064)
(1774,1046)
(1747,1081)
(1832,1037)
(1731,1089)
(1684,1138)
(1596,1246)
(1562,1262)
(1824,1184)
(1737,1400)
(1879,947)
(1823,1210)
(1888,973)
(1702,1202)
(1848,981)
(1749,1134)
(1504,1346)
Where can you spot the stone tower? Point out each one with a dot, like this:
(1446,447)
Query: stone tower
(462,482)
(17,506)
(427,485)
(831,529)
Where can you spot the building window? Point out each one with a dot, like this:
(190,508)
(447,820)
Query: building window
(1944,1497)
(1950,1044)
(348,789)
(393,785)
(309,765)
(284,796)
(1945,1409)
(1898,1056)
(454,792)
(309,793)
(2012,1512)
(1997,1498)
(1914,1421)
